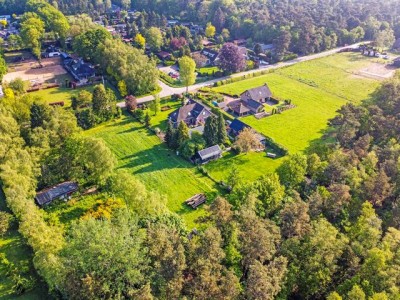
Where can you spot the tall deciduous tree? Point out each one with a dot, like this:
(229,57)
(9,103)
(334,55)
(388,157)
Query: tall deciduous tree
(104,258)
(32,31)
(187,67)
(247,141)
(154,38)
(293,170)
(230,58)
(168,262)
(210,30)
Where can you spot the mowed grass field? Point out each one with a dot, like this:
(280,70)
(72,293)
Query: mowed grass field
(318,88)
(142,153)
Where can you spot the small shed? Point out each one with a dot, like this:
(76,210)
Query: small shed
(196,200)
(60,191)
(209,154)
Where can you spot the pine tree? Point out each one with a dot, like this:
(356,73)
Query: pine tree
(211,131)
(147,119)
(170,136)
(221,133)
(182,134)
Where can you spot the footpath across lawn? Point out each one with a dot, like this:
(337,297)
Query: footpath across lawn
(143,154)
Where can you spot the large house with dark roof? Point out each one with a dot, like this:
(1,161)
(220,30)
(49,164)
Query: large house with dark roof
(79,70)
(193,114)
(251,101)
(260,94)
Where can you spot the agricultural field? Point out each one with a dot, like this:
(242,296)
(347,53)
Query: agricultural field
(142,153)
(318,88)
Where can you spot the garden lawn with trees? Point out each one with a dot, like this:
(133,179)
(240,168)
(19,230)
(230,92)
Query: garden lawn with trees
(316,94)
(142,153)
(318,89)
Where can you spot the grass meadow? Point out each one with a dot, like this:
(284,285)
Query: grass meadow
(143,154)
(318,88)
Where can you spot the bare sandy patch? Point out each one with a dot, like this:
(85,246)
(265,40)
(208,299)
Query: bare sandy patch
(376,71)
(47,72)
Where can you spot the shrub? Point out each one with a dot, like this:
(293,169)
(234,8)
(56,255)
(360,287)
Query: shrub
(168,63)
(5,221)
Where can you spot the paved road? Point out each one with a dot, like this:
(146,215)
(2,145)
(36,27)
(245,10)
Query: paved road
(167,90)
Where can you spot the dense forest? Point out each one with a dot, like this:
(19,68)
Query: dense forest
(300,27)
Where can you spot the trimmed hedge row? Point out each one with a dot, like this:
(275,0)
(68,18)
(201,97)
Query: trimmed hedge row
(240,78)
(276,147)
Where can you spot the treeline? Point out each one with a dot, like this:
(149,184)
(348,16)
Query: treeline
(128,67)
(302,26)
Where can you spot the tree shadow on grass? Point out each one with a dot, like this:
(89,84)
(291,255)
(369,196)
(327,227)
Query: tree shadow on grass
(157,158)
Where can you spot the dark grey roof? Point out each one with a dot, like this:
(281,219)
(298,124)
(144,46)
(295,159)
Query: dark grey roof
(191,110)
(238,107)
(210,152)
(258,93)
(210,53)
(48,195)
(253,104)
(238,125)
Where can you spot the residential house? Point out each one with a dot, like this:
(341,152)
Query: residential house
(79,70)
(237,126)
(260,94)
(240,42)
(163,55)
(211,55)
(193,114)
(206,155)
(246,107)
(61,191)
(251,101)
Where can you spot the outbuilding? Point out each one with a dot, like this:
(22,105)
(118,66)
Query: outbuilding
(208,154)
(61,191)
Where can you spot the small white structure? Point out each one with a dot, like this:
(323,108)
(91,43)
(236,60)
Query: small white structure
(1,92)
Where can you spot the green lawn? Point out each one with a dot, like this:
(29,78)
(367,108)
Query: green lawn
(13,247)
(318,88)
(208,70)
(143,154)
(60,94)
(74,209)
(161,119)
